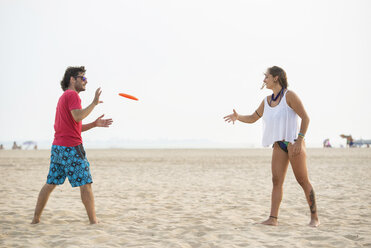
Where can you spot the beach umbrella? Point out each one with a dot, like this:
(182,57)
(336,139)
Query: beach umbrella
(29,143)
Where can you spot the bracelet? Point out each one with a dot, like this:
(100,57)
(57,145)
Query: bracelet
(301,135)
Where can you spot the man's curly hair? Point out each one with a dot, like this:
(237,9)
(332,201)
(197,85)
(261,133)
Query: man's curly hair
(71,72)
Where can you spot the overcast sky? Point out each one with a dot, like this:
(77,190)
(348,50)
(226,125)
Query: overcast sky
(189,63)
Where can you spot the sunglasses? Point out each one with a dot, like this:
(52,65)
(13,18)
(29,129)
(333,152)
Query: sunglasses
(82,77)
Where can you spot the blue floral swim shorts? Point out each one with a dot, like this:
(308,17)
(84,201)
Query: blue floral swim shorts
(69,162)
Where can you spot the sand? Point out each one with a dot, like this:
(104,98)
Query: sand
(187,198)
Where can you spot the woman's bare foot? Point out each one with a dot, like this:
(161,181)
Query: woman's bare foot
(94,222)
(35,221)
(314,223)
(272,221)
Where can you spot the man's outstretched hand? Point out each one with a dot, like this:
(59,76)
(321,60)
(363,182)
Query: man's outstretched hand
(96,100)
(99,122)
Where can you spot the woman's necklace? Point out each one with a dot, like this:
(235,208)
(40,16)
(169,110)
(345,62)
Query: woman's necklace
(275,98)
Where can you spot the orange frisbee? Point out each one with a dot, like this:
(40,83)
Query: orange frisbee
(128,96)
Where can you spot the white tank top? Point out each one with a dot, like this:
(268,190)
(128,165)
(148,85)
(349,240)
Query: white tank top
(279,123)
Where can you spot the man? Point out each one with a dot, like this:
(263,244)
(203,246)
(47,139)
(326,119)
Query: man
(67,155)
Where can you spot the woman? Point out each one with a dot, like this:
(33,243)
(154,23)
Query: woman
(280,113)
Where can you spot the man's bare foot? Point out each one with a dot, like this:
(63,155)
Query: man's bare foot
(314,223)
(35,221)
(271,221)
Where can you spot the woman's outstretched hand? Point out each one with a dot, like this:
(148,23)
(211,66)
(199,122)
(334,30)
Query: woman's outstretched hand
(232,117)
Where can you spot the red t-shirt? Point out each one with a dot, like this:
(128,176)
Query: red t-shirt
(67,130)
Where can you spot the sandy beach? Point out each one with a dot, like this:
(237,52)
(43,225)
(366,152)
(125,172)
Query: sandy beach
(187,198)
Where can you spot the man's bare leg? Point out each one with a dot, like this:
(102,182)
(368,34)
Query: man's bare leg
(44,194)
(87,198)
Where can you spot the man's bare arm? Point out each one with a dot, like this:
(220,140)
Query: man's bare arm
(80,114)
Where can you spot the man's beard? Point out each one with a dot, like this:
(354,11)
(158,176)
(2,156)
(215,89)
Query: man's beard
(80,88)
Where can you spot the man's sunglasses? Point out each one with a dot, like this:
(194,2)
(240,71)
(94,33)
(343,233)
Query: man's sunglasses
(82,77)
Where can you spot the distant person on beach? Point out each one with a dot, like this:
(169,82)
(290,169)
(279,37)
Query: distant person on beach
(16,147)
(1,147)
(326,143)
(280,113)
(68,157)
(350,140)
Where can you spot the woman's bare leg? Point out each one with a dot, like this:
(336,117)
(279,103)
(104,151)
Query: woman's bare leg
(299,167)
(280,161)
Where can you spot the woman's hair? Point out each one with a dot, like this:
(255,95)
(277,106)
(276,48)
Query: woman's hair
(71,72)
(282,78)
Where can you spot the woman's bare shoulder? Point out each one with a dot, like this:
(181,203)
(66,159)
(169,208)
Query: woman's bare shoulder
(291,94)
